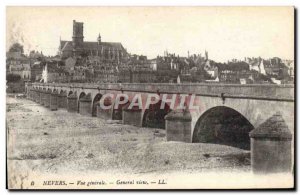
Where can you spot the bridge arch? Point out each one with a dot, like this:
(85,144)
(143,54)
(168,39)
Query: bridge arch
(63,91)
(70,93)
(223,125)
(95,103)
(81,95)
(154,116)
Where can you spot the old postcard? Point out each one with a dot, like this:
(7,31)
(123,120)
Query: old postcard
(150,97)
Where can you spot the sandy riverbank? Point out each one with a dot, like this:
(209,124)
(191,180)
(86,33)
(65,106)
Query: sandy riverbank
(47,142)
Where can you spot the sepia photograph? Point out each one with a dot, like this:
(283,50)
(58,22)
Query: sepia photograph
(150,98)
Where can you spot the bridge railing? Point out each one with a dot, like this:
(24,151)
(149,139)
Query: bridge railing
(252,91)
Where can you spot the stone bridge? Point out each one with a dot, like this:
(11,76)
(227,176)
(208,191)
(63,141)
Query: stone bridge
(225,113)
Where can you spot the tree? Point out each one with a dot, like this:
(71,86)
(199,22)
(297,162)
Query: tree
(13,78)
(16,47)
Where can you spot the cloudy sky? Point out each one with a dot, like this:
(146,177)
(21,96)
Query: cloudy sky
(225,32)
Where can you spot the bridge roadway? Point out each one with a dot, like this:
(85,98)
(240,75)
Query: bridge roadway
(253,102)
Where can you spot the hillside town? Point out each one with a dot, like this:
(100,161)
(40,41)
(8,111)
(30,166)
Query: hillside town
(110,62)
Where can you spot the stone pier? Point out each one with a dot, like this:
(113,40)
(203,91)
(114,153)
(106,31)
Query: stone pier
(178,126)
(271,147)
(47,98)
(132,116)
(34,95)
(41,97)
(105,113)
(53,100)
(62,100)
(31,94)
(72,103)
(37,99)
(85,105)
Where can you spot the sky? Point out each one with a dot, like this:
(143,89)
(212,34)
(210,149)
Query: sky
(225,32)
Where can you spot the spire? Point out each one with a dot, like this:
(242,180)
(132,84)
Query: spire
(99,39)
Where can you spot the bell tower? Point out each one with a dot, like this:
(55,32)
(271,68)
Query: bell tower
(77,37)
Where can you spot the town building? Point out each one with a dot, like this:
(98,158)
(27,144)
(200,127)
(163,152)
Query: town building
(105,74)
(18,64)
(257,64)
(237,76)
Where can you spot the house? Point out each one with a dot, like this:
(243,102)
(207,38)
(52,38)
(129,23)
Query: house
(18,64)
(258,65)
(213,72)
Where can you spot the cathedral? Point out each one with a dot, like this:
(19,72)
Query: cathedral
(106,51)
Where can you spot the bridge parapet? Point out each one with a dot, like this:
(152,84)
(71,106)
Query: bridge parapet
(248,91)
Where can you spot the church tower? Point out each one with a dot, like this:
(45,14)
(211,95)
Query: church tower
(77,38)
